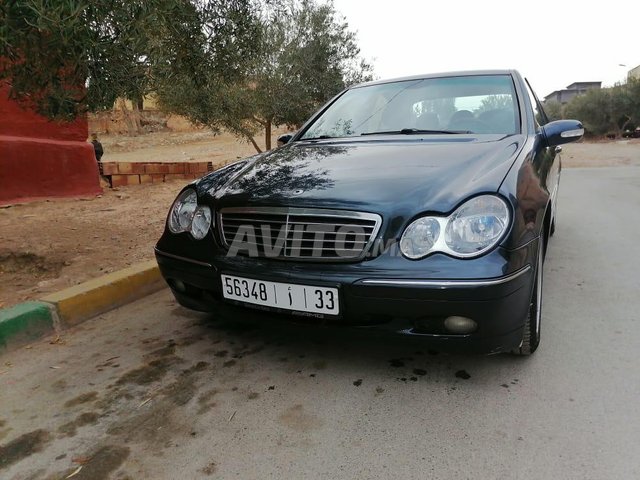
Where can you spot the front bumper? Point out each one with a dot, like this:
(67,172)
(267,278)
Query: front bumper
(383,298)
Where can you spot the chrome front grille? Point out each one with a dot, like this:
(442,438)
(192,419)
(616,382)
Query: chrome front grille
(298,233)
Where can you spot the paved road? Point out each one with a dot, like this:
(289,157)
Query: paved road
(154,391)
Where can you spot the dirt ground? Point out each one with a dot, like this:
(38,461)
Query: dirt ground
(192,146)
(50,245)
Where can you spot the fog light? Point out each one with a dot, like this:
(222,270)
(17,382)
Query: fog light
(460,325)
(179,286)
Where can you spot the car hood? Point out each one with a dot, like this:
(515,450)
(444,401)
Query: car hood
(413,175)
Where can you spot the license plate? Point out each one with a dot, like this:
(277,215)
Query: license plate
(289,296)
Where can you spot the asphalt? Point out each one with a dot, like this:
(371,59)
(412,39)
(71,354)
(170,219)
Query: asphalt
(151,390)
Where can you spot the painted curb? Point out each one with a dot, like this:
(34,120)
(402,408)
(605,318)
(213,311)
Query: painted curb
(25,323)
(81,302)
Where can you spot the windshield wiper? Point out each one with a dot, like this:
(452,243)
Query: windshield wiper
(413,131)
(319,137)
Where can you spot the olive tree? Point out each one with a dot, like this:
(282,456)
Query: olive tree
(71,56)
(307,54)
(553,109)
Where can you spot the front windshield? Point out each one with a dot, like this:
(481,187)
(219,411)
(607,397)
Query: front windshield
(479,104)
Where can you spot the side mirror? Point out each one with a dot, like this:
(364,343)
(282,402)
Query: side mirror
(282,139)
(563,131)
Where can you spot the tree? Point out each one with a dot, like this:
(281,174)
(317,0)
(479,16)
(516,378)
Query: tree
(593,109)
(608,111)
(553,109)
(495,102)
(633,86)
(69,56)
(307,55)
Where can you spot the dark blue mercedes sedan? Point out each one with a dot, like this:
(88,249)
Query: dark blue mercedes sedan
(421,204)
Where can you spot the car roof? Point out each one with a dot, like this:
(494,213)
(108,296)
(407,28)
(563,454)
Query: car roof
(462,73)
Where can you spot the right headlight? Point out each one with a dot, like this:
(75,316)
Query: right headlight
(182,211)
(187,216)
(472,229)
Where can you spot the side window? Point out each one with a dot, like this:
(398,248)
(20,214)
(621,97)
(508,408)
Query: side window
(540,116)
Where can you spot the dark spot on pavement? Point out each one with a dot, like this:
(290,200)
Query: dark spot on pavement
(253,395)
(181,391)
(101,464)
(166,351)
(283,359)
(190,339)
(319,365)
(207,396)
(272,387)
(60,457)
(70,429)
(2,423)
(81,399)
(157,423)
(221,353)
(414,379)
(312,375)
(504,385)
(403,379)
(149,373)
(396,363)
(463,374)
(229,363)
(58,386)
(205,401)
(23,447)
(358,382)
(198,367)
(379,390)
(419,371)
(209,469)
(297,419)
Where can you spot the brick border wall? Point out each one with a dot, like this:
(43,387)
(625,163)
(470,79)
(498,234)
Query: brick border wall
(135,173)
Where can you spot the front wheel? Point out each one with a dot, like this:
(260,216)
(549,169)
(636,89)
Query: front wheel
(531,334)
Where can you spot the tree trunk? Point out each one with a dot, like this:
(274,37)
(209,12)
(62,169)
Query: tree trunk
(267,135)
(253,142)
(136,117)
(127,117)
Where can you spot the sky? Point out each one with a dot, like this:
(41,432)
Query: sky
(552,43)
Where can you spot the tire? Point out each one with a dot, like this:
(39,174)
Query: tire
(531,333)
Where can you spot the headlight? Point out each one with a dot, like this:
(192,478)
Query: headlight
(477,225)
(473,229)
(182,211)
(420,237)
(201,222)
(187,216)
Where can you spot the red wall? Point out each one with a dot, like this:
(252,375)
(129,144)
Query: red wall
(43,159)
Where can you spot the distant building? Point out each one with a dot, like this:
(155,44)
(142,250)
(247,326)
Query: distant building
(573,90)
(634,72)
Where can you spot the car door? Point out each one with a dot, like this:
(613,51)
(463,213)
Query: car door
(548,160)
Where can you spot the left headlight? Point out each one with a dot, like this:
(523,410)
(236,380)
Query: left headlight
(201,222)
(472,229)
(187,216)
